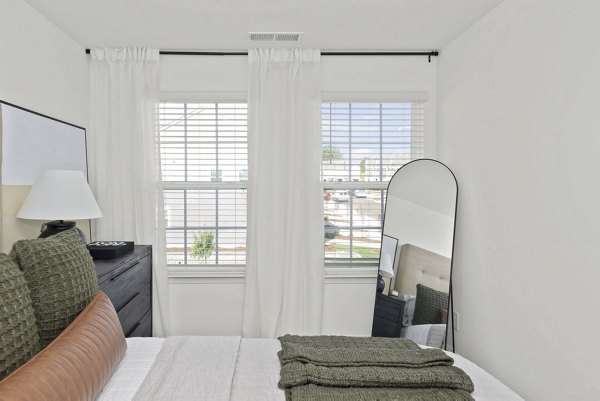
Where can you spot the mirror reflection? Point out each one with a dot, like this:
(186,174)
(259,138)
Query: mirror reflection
(413,286)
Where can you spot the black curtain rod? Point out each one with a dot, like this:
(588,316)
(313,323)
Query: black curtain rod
(323,53)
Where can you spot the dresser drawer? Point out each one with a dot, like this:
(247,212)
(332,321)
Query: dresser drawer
(107,268)
(127,280)
(385,328)
(389,308)
(389,313)
(122,285)
(143,328)
(132,312)
(387,317)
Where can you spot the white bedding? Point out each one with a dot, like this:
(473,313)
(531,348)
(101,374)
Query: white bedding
(127,379)
(425,334)
(192,368)
(257,373)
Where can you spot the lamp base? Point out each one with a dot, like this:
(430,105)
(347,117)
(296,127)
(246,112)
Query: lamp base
(57,226)
(380,284)
(54,227)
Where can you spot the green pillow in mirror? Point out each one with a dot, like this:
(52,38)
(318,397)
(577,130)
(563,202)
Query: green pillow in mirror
(62,279)
(19,339)
(429,305)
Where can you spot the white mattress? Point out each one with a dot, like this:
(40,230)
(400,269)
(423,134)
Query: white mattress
(257,373)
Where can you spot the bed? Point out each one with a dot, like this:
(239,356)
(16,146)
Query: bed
(252,375)
(84,355)
(91,360)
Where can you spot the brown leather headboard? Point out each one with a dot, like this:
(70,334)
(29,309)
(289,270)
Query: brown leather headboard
(77,364)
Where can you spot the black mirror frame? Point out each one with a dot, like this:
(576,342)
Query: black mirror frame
(450,297)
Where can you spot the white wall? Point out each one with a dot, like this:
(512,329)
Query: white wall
(204,304)
(518,124)
(44,70)
(187,77)
(214,305)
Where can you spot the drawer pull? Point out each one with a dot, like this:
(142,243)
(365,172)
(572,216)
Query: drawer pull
(135,326)
(120,308)
(125,271)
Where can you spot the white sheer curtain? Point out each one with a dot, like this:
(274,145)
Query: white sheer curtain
(284,273)
(125,159)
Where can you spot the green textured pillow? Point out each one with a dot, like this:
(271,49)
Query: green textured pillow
(19,339)
(428,305)
(62,279)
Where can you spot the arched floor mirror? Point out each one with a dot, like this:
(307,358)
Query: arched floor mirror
(414,298)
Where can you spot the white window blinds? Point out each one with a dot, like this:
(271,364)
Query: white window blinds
(363,146)
(204,158)
(365,142)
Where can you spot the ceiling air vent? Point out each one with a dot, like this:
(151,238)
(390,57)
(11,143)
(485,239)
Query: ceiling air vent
(274,36)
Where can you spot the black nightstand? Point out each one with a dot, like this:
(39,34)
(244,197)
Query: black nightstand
(127,280)
(387,317)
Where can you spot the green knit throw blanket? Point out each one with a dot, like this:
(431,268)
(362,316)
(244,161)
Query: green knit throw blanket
(331,368)
(359,351)
(313,392)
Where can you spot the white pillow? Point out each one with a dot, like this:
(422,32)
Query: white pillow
(436,335)
(431,335)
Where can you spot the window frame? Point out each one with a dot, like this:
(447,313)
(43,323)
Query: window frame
(340,274)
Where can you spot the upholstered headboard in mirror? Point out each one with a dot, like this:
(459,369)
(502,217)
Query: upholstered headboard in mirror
(420,266)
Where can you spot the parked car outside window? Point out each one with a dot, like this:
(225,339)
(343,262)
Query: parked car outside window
(331,230)
(341,196)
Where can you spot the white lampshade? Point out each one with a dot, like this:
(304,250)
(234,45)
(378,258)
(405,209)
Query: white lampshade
(60,195)
(386,267)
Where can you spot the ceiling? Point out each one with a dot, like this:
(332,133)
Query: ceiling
(223,24)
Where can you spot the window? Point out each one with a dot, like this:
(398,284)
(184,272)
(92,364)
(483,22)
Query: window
(204,152)
(204,160)
(363,146)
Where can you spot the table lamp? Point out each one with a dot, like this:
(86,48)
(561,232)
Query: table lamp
(386,269)
(60,196)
